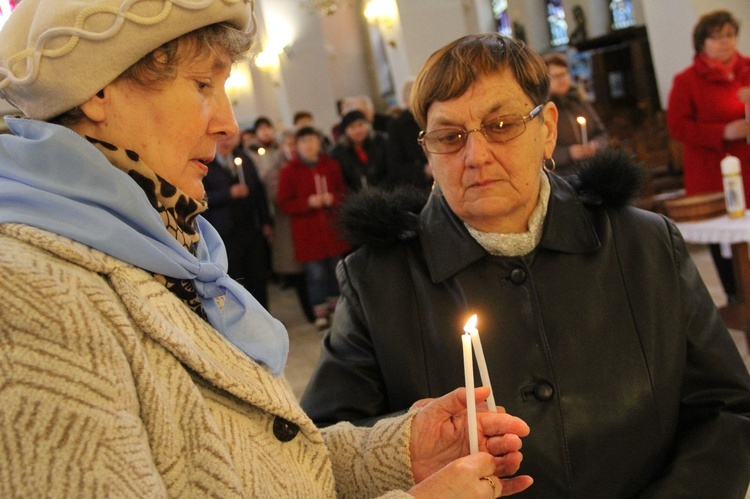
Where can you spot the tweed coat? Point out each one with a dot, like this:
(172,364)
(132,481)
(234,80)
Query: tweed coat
(110,386)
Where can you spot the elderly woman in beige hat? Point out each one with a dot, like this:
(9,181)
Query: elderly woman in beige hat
(131,364)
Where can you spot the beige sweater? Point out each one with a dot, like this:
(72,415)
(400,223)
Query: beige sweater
(111,387)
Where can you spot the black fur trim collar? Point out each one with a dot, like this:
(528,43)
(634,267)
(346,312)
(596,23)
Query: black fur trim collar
(376,217)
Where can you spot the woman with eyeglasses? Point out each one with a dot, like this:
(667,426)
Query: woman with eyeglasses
(597,328)
(709,113)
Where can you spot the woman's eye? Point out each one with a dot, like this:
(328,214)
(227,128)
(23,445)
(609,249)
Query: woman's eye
(498,125)
(450,137)
(202,85)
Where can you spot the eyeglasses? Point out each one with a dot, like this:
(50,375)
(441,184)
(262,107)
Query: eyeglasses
(556,76)
(501,129)
(717,37)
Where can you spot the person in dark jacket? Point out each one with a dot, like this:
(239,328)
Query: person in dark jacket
(580,131)
(597,328)
(360,152)
(405,158)
(239,212)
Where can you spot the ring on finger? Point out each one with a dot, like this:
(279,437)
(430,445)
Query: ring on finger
(491,479)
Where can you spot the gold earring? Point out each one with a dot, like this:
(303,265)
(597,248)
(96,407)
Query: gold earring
(546,168)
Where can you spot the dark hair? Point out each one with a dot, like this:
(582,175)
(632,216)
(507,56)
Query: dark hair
(306,130)
(556,59)
(262,120)
(450,71)
(351,117)
(299,115)
(709,23)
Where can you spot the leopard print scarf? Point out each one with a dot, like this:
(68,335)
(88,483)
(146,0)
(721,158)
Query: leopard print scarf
(177,210)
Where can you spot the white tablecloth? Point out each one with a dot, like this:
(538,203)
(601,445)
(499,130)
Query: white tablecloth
(722,230)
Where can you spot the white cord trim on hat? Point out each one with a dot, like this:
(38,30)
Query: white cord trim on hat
(35,53)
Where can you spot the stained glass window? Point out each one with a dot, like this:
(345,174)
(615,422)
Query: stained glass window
(500,13)
(622,13)
(558,27)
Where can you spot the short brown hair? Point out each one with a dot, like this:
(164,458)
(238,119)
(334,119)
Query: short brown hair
(450,71)
(160,65)
(709,23)
(556,59)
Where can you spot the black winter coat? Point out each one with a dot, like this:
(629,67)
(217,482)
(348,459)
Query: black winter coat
(357,174)
(604,340)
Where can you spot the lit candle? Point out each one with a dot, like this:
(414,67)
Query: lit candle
(240,171)
(261,151)
(584,133)
(471,407)
(472,330)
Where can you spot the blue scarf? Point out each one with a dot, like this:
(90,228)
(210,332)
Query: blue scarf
(53,179)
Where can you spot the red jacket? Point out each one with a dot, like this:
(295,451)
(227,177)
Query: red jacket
(702,101)
(314,230)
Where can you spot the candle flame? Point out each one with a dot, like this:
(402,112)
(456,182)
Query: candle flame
(581,120)
(471,324)
(261,151)
(237,161)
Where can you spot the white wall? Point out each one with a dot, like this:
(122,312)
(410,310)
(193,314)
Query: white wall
(670,31)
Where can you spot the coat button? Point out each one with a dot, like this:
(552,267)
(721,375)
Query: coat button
(517,276)
(543,391)
(284,430)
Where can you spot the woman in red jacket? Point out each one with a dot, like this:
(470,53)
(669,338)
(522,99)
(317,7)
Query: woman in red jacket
(707,114)
(310,190)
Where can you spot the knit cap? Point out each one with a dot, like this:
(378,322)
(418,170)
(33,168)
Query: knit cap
(351,117)
(57,54)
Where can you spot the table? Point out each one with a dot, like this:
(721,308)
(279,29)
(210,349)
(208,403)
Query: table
(736,233)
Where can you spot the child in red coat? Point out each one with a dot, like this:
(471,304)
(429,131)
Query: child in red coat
(310,190)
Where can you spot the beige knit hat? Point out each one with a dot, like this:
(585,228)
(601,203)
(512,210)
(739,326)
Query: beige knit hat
(56,54)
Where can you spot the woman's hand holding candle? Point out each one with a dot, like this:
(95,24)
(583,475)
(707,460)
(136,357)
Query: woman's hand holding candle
(439,438)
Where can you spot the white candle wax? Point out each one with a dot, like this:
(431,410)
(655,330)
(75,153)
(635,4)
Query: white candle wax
(584,132)
(485,375)
(471,407)
(240,171)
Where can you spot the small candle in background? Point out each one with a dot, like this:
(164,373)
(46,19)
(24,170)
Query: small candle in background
(240,171)
(318,185)
(261,151)
(476,342)
(471,406)
(734,190)
(584,132)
